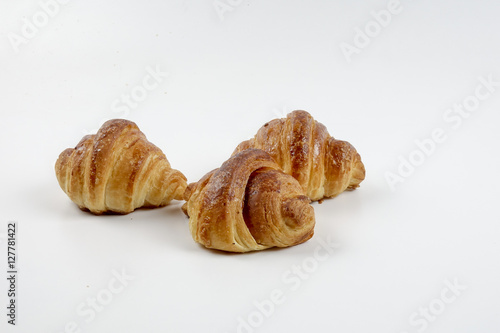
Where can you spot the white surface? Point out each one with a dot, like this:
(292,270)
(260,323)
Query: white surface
(227,77)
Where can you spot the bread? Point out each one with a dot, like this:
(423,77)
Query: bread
(248,204)
(118,170)
(303,148)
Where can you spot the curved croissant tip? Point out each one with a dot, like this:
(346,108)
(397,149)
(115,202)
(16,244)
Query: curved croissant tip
(297,211)
(185,209)
(188,191)
(358,172)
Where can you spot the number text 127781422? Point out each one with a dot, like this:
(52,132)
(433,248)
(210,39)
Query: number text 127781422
(11,272)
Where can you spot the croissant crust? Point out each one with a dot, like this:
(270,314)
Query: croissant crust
(118,170)
(248,204)
(303,148)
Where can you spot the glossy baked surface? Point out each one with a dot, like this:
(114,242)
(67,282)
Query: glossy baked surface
(303,148)
(248,204)
(118,170)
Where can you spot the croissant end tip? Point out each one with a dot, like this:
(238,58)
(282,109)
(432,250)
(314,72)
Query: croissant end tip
(358,173)
(298,212)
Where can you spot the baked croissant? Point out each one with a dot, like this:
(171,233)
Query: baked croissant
(118,170)
(248,204)
(303,148)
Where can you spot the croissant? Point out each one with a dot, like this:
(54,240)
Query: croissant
(303,148)
(118,170)
(248,204)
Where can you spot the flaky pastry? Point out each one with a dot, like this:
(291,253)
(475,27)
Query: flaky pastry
(118,170)
(248,204)
(303,148)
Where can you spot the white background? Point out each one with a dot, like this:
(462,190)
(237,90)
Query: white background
(228,77)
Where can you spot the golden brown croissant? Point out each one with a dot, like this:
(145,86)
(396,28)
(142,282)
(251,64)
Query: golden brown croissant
(118,170)
(303,148)
(248,204)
